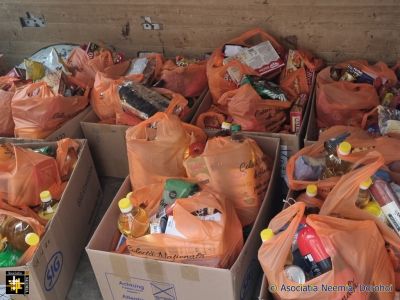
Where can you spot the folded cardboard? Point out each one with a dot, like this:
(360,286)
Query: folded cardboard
(108,145)
(312,132)
(128,277)
(52,268)
(290,143)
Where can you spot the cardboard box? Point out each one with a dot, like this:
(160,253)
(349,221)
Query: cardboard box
(53,266)
(108,146)
(290,143)
(129,277)
(312,132)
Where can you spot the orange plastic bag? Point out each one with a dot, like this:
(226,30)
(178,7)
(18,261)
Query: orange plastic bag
(37,228)
(7,90)
(207,243)
(189,81)
(247,108)
(85,69)
(297,82)
(24,174)
(156,153)
(356,248)
(218,81)
(238,170)
(362,145)
(37,111)
(66,157)
(342,202)
(344,102)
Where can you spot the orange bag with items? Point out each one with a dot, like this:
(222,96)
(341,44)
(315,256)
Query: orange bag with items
(7,90)
(218,81)
(296,82)
(37,111)
(344,102)
(190,80)
(362,147)
(85,69)
(212,243)
(342,202)
(37,228)
(238,170)
(156,148)
(24,174)
(253,113)
(356,248)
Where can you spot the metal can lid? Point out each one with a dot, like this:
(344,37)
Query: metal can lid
(295,274)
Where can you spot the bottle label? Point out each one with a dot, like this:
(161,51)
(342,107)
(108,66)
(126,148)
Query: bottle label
(392,213)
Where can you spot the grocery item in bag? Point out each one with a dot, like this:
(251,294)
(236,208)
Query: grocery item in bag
(236,168)
(213,243)
(8,85)
(24,174)
(339,239)
(37,111)
(156,148)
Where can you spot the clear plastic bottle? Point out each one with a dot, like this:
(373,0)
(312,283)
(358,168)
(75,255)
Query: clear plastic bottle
(335,166)
(310,199)
(133,221)
(364,195)
(48,206)
(15,231)
(10,256)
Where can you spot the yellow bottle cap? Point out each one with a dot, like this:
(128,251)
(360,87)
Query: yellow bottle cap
(129,195)
(266,234)
(366,184)
(32,239)
(311,190)
(373,208)
(45,196)
(344,148)
(125,205)
(226,125)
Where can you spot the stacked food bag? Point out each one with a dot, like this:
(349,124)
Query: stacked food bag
(32,181)
(343,228)
(191,196)
(259,84)
(51,87)
(146,85)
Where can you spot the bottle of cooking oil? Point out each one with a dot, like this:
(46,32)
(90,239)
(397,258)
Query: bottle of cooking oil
(133,221)
(364,195)
(334,165)
(48,206)
(16,231)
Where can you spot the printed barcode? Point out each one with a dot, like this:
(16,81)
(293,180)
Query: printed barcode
(393,221)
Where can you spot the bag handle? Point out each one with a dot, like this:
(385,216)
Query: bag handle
(366,116)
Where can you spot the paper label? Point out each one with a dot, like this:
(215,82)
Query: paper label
(392,214)
(171,228)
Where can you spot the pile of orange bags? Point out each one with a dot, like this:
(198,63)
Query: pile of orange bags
(24,174)
(161,148)
(240,102)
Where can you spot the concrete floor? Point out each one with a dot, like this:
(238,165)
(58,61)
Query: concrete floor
(84,285)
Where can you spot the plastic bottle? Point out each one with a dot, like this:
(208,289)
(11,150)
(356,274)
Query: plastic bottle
(266,234)
(10,256)
(388,201)
(364,195)
(133,221)
(335,166)
(374,209)
(313,252)
(310,199)
(16,230)
(48,206)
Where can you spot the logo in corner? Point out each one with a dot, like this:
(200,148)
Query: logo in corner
(17,283)
(53,270)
